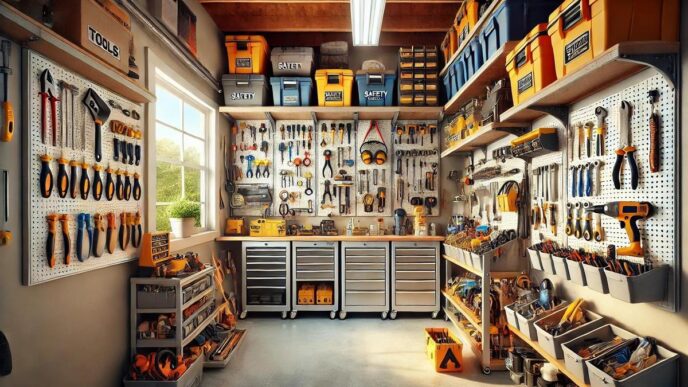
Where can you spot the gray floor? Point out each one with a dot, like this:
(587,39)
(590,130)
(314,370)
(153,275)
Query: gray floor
(359,351)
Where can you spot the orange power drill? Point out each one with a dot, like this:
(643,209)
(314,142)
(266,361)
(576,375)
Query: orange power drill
(628,214)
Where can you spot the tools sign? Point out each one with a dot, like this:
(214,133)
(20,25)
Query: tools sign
(253,162)
(416,166)
(295,169)
(374,168)
(336,154)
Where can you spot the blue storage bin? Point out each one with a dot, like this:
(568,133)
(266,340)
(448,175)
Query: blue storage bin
(512,20)
(291,91)
(448,80)
(459,74)
(468,63)
(478,55)
(375,89)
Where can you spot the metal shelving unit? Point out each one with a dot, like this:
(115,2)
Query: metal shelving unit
(315,262)
(365,278)
(415,278)
(266,277)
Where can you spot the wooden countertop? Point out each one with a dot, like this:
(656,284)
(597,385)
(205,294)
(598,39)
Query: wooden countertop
(335,238)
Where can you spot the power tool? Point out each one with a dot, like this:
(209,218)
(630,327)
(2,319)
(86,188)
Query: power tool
(628,214)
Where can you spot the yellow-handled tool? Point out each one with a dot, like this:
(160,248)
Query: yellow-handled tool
(7,119)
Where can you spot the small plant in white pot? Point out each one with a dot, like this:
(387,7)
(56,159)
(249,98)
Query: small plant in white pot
(184,216)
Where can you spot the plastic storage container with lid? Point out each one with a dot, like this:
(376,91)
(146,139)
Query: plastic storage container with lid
(375,88)
(292,61)
(583,29)
(245,90)
(246,54)
(531,64)
(291,91)
(334,87)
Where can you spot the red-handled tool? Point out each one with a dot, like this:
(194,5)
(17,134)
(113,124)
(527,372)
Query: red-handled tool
(48,94)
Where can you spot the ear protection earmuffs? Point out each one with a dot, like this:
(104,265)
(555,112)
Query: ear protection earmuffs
(373,151)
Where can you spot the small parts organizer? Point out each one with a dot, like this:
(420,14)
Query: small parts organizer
(84,173)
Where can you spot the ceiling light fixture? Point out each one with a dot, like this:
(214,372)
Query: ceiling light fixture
(366,21)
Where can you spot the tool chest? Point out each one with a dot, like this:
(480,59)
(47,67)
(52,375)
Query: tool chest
(583,29)
(531,64)
(266,277)
(334,87)
(375,88)
(316,264)
(245,90)
(291,91)
(292,61)
(246,54)
(365,277)
(415,278)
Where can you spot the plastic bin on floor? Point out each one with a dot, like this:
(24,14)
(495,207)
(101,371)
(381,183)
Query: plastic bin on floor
(291,91)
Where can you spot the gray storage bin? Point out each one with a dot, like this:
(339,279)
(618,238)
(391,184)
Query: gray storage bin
(575,363)
(245,90)
(508,260)
(527,326)
(560,266)
(191,378)
(547,263)
(511,315)
(477,261)
(292,61)
(663,373)
(534,256)
(552,344)
(576,272)
(595,278)
(187,294)
(466,257)
(156,300)
(645,287)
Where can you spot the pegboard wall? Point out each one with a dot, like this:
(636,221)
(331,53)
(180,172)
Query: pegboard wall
(550,171)
(37,208)
(255,142)
(344,156)
(366,180)
(293,178)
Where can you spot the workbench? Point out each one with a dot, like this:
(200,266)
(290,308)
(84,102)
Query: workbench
(334,238)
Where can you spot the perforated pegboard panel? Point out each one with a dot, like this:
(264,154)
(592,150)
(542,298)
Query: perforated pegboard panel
(428,154)
(295,182)
(241,163)
(557,174)
(485,205)
(386,182)
(341,152)
(37,208)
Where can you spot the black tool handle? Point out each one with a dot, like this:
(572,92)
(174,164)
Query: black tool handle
(127,187)
(85,182)
(123,149)
(130,152)
(137,154)
(73,179)
(99,144)
(137,189)
(97,184)
(109,185)
(62,179)
(46,178)
(616,171)
(66,240)
(119,189)
(630,154)
(115,148)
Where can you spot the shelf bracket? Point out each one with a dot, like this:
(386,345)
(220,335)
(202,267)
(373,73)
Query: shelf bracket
(395,118)
(314,117)
(665,64)
(271,120)
(560,112)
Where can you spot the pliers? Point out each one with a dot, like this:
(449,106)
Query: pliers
(625,148)
(327,192)
(328,165)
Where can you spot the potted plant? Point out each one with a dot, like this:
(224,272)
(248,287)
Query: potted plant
(184,216)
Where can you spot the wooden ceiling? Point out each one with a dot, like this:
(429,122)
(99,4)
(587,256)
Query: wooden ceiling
(311,22)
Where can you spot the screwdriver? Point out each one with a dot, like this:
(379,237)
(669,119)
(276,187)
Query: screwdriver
(46,178)
(97,182)
(50,244)
(66,239)
(85,182)
(7,109)
(62,178)
(341,133)
(109,184)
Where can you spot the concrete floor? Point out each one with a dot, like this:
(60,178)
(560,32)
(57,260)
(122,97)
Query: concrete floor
(359,351)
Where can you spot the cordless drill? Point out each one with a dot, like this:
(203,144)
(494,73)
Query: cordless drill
(628,214)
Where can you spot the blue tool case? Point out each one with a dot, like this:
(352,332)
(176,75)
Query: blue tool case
(291,91)
(375,88)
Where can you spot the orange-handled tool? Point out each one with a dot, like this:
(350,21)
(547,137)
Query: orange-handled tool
(7,110)
(50,244)
(109,184)
(98,235)
(97,182)
(46,177)
(66,239)
(110,239)
(85,182)
(62,178)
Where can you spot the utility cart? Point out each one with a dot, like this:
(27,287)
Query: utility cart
(365,278)
(316,270)
(266,277)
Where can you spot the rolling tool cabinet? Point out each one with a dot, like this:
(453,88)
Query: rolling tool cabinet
(316,263)
(365,278)
(415,278)
(266,277)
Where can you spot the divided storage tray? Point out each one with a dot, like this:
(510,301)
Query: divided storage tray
(266,277)
(415,277)
(365,277)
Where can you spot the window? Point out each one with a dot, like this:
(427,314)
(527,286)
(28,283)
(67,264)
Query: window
(182,149)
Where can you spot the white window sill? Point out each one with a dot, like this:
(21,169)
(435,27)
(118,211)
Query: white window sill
(179,244)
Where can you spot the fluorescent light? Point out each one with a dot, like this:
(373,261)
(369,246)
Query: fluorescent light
(366,21)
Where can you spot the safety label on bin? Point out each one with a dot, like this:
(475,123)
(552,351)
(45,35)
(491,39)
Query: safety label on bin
(525,83)
(375,95)
(332,96)
(243,62)
(579,45)
(242,96)
(289,66)
(291,99)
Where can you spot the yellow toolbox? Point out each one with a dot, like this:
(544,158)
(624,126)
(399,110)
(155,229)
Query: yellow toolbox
(334,87)
(267,228)
(306,294)
(246,54)
(583,29)
(531,64)
(444,349)
(324,294)
(449,44)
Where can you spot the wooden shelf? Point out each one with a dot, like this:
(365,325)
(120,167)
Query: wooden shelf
(483,137)
(468,339)
(332,113)
(470,316)
(493,69)
(29,33)
(607,69)
(463,265)
(335,238)
(559,363)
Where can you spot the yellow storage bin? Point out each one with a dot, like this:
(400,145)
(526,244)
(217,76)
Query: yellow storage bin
(306,294)
(583,29)
(444,350)
(334,87)
(449,44)
(531,64)
(324,294)
(465,20)
(246,54)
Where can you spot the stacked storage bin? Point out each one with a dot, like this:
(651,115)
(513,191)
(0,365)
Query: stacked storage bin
(292,66)
(375,86)
(334,87)
(531,64)
(418,85)
(245,84)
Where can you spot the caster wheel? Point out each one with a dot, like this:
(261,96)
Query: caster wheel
(242,315)
(435,314)
(383,315)
(487,370)
(333,315)
(284,315)
(292,315)
(393,315)
(342,315)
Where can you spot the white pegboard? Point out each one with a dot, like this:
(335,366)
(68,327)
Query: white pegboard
(348,151)
(545,230)
(299,150)
(36,268)
(239,165)
(385,129)
(485,189)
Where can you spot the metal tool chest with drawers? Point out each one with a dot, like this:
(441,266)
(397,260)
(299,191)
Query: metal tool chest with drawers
(365,278)
(266,277)
(316,263)
(415,278)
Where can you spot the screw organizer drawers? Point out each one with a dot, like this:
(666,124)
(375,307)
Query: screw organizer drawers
(415,278)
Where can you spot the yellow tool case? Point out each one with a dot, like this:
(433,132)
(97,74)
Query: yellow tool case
(583,29)
(246,54)
(449,44)
(531,64)
(324,294)
(334,87)
(267,228)
(444,349)
(306,294)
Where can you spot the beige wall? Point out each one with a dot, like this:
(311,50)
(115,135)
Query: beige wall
(75,331)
